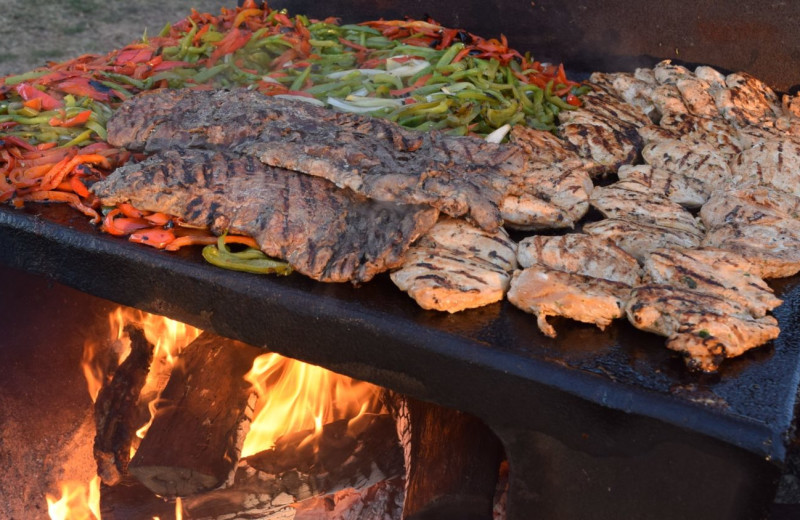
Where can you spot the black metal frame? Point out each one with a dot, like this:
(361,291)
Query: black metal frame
(595,424)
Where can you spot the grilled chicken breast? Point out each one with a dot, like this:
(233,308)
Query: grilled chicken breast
(457,266)
(578,276)
(696,94)
(697,160)
(759,223)
(774,162)
(713,271)
(604,130)
(553,192)
(638,239)
(545,292)
(614,202)
(632,90)
(678,188)
(582,254)
(705,328)
(746,100)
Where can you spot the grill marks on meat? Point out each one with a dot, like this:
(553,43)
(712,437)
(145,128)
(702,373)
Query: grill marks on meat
(638,239)
(456,266)
(678,188)
(759,223)
(374,157)
(773,162)
(705,328)
(746,100)
(697,160)
(618,203)
(325,233)
(582,254)
(581,277)
(604,129)
(712,271)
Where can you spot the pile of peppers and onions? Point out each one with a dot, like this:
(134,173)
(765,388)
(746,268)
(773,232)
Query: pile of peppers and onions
(417,73)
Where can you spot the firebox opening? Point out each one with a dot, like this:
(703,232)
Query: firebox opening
(347,453)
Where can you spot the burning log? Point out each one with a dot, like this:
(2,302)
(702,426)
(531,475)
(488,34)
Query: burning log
(339,470)
(115,410)
(195,440)
(304,465)
(452,461)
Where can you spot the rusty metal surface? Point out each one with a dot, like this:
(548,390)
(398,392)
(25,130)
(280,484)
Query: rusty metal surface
(758,37)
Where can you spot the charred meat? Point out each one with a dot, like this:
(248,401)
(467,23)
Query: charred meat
(326,233)
(375,157)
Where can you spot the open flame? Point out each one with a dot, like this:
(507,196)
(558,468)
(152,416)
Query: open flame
(292,396)
(295,396)
(77,502)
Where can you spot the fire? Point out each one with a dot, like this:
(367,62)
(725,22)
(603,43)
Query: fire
(168,336)
(76,502)
(292,396)
(295,396)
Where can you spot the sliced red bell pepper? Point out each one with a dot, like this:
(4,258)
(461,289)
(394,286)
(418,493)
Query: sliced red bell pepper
(29,92)
(78,119)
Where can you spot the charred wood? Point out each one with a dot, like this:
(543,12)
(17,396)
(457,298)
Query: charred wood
(300,468)
(115,410)
(129,498)
(195,440)
(452,461)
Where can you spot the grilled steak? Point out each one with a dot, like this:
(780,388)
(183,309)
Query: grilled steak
(577,276)
(326,233)
(456,266)
(704,327)
(712,271)
(371,156)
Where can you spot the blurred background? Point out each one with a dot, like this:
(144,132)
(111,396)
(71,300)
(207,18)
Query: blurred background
(35,32)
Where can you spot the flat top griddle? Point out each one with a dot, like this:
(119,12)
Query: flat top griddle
(491,361)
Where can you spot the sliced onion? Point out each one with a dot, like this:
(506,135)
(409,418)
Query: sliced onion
(357,109)
(311,100)
(498,135)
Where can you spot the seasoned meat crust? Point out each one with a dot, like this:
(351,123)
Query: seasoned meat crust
(456,266)
(326,233)
(713,271)
(759,223)
(639,239)
(377,158)
(774,162)
(548,292)
(582,254)
(577,276)
(704,327)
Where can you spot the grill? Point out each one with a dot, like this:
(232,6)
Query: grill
(595,424)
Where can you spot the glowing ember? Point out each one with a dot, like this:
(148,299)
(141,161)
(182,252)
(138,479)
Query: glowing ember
(295,396)
(77,502)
